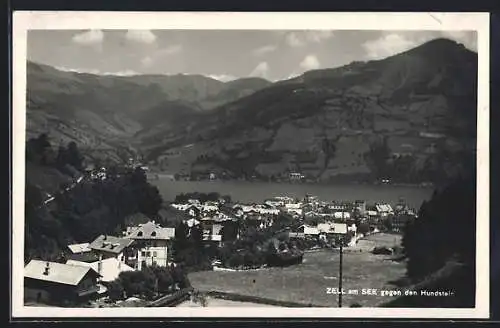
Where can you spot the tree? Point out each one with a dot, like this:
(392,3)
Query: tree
(453,207)
(378,155)
(149,200)
(73,156)
(196,236)
(388,223)
(363,228)
(115,290)
(62,156)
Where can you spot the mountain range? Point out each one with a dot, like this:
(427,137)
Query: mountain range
(411,116)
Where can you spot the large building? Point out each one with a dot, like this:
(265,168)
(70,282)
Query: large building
(151,242)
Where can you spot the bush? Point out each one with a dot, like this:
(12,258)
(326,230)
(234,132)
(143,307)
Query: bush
(115,290)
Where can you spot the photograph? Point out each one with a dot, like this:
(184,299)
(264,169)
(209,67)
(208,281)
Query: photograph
(286,164)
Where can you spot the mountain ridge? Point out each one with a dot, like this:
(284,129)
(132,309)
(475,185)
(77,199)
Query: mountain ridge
(332,122)
(325,123)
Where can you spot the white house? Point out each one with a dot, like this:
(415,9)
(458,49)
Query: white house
(342,215)
(384,209)
(152,242)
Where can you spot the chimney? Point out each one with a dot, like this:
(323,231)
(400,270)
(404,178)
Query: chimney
(47,269)
(99,264)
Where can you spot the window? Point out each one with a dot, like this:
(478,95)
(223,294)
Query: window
(139,233)
(154,254)
(148,254)
(143,254)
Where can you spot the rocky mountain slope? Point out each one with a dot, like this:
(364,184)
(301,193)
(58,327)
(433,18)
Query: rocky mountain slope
(410,117)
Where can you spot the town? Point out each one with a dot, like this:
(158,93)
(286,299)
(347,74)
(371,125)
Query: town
(229,234)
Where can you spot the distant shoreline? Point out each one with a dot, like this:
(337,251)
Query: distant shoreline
(323,183)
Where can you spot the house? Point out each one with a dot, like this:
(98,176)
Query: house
(193,211)
(384,209)
(111,246)
(210,207)
(294,208)
(57,283)
(212,228)
(333,228)
(304,231)
(109,268)
(79,248)
(342,215)
(152,242)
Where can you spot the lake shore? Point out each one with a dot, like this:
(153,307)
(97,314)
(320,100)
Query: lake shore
(245,191)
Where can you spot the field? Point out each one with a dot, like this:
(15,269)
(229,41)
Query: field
(313,281)
(259,191)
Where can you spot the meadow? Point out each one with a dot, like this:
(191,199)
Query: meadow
(313,282)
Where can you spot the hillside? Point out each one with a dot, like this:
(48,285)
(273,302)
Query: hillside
(410,117)
(104,112)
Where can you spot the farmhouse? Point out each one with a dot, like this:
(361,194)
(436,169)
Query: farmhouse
(57,283)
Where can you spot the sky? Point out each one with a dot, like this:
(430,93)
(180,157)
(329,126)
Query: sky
(221,54)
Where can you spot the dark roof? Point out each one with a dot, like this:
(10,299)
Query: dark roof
(88,257)
(110,244)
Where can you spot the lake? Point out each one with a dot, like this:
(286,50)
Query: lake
(245,191)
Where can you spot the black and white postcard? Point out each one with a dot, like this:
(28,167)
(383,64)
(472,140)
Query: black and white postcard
(285,164)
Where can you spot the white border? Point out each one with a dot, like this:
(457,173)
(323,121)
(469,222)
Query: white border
(23,21)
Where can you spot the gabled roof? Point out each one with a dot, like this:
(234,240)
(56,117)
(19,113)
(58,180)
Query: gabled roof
(58,272)
(150,230)
(79,248)
(110,244)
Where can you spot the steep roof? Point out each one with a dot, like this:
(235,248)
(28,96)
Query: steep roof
(150,230)
(110,244)
(58,272)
